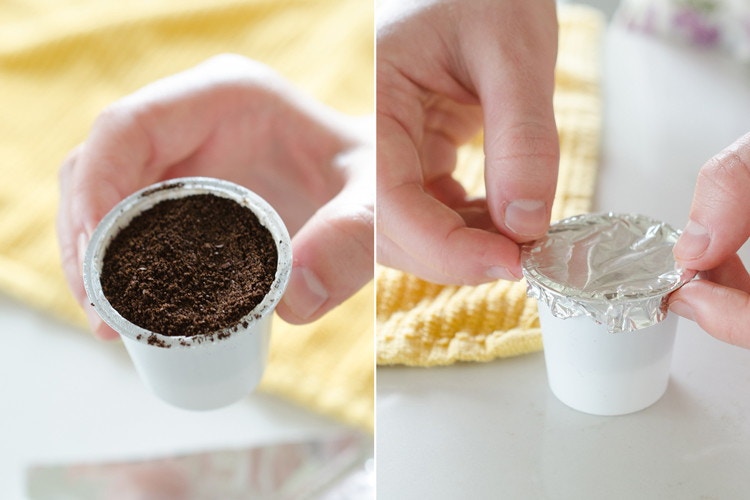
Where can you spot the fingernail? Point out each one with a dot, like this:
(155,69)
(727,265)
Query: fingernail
(527,217)
(693,242)
(305,293)
(500,273)
(682,309)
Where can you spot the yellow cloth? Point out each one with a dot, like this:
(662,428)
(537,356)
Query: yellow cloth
(423,324)
(62,61)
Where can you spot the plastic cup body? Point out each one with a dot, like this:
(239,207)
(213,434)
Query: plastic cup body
(205,377)
(200,372)
(602,373)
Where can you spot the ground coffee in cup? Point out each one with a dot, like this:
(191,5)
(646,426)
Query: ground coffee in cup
(189,266)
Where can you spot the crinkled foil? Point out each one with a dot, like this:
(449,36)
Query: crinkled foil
(616,269)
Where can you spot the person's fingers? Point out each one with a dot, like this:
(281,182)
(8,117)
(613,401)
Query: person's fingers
(719,221)
(333,251)
(438,238)
(391,254)
(73,239)
(421,235)
(719,301)
(333,258)
(515,84)
(730,273)
(229,117)
(135,140)
(722,311)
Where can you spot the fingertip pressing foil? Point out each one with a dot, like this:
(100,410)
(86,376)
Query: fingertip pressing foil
(617,269)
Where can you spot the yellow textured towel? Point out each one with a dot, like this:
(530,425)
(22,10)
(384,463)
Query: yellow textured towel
(423,324)
(62,61)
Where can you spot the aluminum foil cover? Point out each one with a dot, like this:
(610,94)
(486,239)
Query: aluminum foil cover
(616,269)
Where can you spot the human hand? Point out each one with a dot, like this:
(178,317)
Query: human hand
(234,119)
(446,68)
(718,226)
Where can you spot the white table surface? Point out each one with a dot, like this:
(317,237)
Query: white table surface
(495,431)
(69,398)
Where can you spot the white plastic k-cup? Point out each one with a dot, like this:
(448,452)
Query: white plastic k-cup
(205,371)
(602,282)
(602,373)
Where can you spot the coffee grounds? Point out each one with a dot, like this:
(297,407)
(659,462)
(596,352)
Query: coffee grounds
(189,266)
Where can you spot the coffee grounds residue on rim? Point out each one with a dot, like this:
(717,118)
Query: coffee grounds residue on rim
(189,266)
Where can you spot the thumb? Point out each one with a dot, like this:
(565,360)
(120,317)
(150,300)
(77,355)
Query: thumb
(520,136)
(521,175)
(719,222)
(333,258)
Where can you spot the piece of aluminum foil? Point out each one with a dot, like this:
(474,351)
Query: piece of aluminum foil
(334,467)
(616,269)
